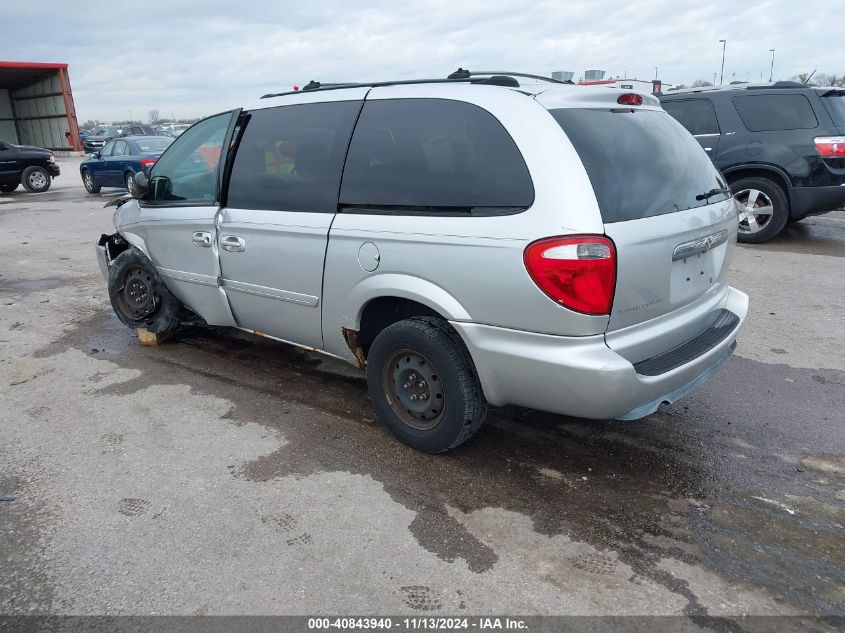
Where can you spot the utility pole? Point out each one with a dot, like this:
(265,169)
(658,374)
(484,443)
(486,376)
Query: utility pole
(772,69)
(722,76)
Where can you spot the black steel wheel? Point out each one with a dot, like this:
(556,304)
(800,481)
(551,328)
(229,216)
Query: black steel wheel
(423,384)
(413,386)
(138,296)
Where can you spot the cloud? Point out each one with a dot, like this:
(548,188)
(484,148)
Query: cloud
(192,57)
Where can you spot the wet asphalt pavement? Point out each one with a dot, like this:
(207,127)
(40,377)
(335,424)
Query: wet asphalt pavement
(221,473)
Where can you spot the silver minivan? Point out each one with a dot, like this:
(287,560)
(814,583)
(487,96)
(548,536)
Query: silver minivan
(466,242)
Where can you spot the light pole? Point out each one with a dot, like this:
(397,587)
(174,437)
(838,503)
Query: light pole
(130,115)
(655,72)
(772,69)
(722,76)
(714,78)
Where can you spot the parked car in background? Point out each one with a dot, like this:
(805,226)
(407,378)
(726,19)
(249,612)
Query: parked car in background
(178,128)
(99,136)
(34,167)
(120,159)
(780,145)
(547,246)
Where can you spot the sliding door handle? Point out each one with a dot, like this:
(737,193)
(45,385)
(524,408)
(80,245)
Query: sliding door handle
(233,244)
(201,239)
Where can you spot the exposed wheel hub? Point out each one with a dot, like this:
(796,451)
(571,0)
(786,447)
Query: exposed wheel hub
(138,296)
(415,389)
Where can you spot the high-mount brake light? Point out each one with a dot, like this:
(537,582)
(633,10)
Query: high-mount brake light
(146,162)
(831,146)
(578,272)
(630,99)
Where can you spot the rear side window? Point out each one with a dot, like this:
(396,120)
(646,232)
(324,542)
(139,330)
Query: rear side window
(433,156)
(767,113)
(696,115)
(640,164)
(290,158)
(835,104)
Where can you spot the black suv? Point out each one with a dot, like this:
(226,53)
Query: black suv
(33,166)
(780,145)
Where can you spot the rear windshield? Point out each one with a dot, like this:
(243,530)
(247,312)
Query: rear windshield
(641,163)
(154,144)
(835,104)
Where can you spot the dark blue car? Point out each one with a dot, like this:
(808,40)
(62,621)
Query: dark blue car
(116,164)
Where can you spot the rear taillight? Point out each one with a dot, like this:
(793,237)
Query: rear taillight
(578,272)
(630,98)
(146,162)
(830,145)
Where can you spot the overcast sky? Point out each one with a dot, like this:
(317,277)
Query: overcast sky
(197,57)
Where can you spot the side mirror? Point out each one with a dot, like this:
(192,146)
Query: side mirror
(142,186)
(161,188)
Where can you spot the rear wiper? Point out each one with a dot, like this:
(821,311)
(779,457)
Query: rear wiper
(713,192)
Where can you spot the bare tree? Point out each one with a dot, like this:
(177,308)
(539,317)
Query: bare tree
(820,79)
(154,118)
(701,83)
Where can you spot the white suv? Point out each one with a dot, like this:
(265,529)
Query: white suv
(466,241)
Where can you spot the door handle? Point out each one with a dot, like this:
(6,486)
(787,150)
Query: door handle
(233,244)
(201,238)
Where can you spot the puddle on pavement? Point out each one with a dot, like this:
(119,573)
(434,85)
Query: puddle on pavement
(812,236)
(31,285)
(681,484)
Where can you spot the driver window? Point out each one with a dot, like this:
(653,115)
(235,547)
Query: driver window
(119,149)
(107,149)
(187,171)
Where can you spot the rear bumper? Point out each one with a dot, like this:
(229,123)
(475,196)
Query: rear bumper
(582,376)
(806,201)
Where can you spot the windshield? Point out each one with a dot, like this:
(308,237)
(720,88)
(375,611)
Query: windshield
(106,131)
(154,144)
(641,163)
(835,104)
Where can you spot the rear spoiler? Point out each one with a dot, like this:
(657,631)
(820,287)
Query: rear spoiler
(835,92)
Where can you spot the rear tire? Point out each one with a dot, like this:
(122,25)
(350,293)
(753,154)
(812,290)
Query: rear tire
(129,179)
(88,181)
(9,187)
(771,204)
(36,179)
(138,296)
(423,384)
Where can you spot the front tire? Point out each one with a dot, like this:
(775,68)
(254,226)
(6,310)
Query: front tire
(88,181)
(138,296)
(35,179)
(423,384)
(764,209)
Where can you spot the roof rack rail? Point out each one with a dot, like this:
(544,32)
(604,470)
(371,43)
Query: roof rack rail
(778,84)
(466,74)
(497,78)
